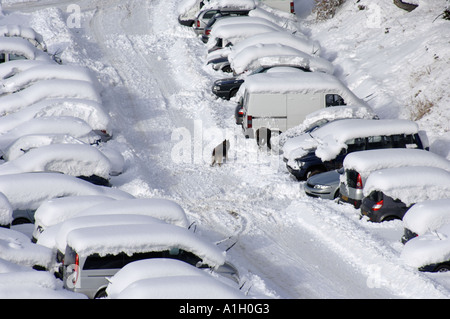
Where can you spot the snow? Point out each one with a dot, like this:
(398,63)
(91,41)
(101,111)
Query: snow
(246,57)
(24,32)
(410,184)
(135,238)
(70,159)
(151,268)
(157,91)
(55,237)
(180,287)
(430,248)
(427,216)
(368,161)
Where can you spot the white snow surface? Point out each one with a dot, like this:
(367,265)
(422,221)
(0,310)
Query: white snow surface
(288,245)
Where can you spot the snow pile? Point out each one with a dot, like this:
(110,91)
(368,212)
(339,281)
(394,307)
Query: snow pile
(6,211)
(410,184)
(427,216)
(11,30)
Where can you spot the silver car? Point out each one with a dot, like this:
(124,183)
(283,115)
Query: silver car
(324,185)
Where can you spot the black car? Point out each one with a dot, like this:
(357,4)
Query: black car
(227,88)
(379,207)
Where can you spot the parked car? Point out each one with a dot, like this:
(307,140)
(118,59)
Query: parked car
(27,191)
(217,17)
(61,209)
(429,252)
(390,192)
(280,101)
(208,12)
(80,160)
(424,217)
(324,185)
(187,10)
(359,165)
(155,268)
(325,148)
(227,88)
(102,251)
(18,48)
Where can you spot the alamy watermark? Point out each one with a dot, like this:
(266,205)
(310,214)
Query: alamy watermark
(73,21)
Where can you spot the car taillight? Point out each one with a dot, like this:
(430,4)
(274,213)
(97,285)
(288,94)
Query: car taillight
(359,184)
(198,23)
(377,206)
(208,32)
(76,270)
(249,121)
(292,7)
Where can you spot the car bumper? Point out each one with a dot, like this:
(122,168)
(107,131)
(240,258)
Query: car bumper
(345,199)
(220,93)
(327,193)
(299,174)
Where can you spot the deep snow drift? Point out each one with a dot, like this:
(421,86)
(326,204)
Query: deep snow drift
(156,88)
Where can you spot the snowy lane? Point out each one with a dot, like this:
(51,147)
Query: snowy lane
(157,91)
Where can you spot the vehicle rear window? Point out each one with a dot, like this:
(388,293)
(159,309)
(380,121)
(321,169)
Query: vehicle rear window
(352,177)
(376,196)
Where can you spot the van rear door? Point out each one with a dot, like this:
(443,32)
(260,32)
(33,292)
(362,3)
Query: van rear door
(301,104)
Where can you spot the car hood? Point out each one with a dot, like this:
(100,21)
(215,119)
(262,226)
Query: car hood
(228,81)
(326,178)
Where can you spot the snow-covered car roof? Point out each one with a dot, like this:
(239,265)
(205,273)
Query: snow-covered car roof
(430,248)
(410,184)
(16,66)
(24,143)
(70,159)
(6,211)
(237,32)
(131,239)
(223,23)
(51,125)
(161,208)
(427,216)
(365,162)
(30,190)
(16,247)
(329,139)
(23,79)
(57,210)
(267,54)
(298,82)
(233,4)
(91,112)
(296,41)
(150,268)
(14,30)
(21,46)
(48,89)
(180,287)
(55,237)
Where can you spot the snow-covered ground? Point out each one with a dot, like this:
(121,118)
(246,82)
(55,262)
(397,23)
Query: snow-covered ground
(165,120)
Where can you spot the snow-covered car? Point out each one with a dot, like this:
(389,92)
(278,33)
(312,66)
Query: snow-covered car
(324,185)
(228,35)
(6,212)
(51,125)
(59,210)
(103,250)
(18,48)
(359,165)
(325,148)
(17,248)
(79,160)
(27,191)
(22,80)
(48,89)
(227,88)
(21,31)
(156,268)
(390,192)
(187,10)
(257,55)
(208,17)
(424,217)
(279,101)
(429,252)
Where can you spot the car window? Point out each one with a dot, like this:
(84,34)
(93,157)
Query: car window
(209,14)
(333,100)
(356,144)
(377,142)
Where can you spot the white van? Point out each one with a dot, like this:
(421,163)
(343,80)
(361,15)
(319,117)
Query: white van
(276,102)
(282,5)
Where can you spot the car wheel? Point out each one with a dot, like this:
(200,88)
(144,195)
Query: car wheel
(101,294)
(389,218)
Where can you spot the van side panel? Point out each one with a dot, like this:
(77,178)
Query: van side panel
(283,5)
(300,105)
(267,105)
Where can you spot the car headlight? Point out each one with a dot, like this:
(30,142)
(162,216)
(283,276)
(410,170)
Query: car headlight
(216,88)
(300,163)
(322,187)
